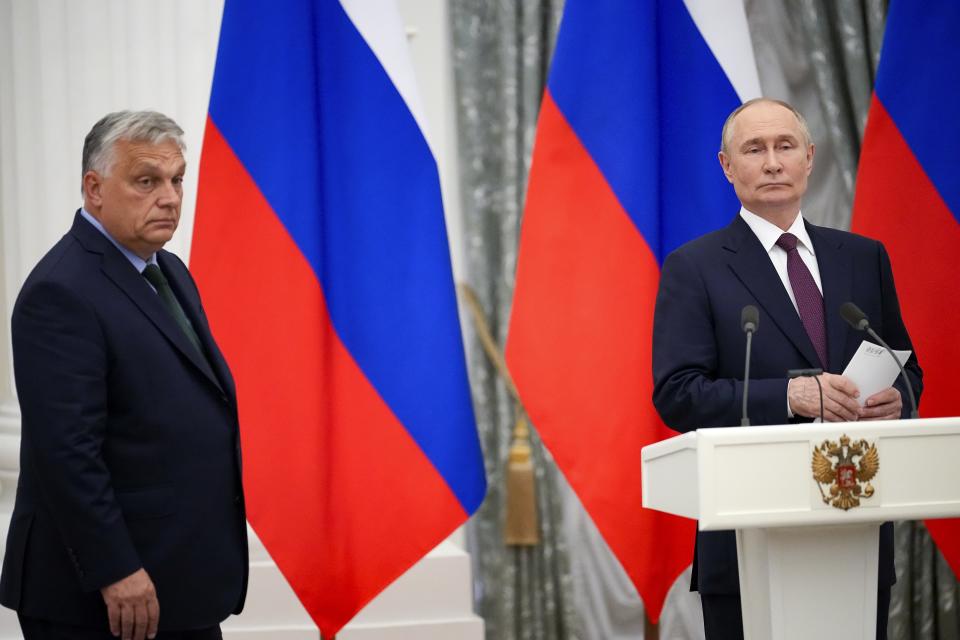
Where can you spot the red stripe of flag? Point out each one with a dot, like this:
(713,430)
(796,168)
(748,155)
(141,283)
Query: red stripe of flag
(324,457)
(580,344)
(898,204)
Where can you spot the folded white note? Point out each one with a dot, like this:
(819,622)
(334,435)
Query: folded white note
(873,370)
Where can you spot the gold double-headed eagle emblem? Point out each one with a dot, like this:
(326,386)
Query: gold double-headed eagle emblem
(847,469)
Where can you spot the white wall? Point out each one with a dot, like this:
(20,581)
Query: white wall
(66,63)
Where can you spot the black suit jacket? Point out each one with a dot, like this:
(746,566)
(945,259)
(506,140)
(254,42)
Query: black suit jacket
(698,346)
(129,453)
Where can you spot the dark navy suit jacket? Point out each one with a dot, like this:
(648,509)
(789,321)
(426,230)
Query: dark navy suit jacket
(129,454)
(698,346)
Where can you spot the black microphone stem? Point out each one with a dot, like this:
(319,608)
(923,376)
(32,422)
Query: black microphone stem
(913,400)
(745,421)
(749,321)
(819,386)
(857,319)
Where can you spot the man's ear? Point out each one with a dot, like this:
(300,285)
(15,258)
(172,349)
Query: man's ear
(725,165)
(810,151)
(92,188)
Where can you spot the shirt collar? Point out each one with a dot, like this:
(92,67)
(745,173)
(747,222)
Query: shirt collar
(138,263)
(768,233)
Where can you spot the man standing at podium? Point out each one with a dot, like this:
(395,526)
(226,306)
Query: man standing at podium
(798,275)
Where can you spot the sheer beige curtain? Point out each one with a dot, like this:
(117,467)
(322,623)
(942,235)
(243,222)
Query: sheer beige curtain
(501,52)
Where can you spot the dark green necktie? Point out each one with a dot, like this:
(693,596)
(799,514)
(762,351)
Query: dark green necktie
(159,282)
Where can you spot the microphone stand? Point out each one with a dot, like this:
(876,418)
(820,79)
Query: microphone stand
(749,322)
(857,319)
(745,421)
(906,381)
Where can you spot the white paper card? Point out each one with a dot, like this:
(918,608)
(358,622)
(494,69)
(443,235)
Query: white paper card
(873,370)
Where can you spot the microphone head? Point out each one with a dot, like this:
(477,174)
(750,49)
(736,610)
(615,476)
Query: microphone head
(749,319)
(854,316)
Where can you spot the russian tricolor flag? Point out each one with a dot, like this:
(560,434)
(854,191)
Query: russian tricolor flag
(624,171)
(322,256)
(908,195)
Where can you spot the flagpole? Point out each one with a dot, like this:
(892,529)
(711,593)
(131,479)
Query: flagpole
(651,630)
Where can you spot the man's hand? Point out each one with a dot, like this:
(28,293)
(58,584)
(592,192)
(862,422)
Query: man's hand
(883,405)
(839,398)
(132,607)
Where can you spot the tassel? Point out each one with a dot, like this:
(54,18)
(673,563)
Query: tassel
(521,527)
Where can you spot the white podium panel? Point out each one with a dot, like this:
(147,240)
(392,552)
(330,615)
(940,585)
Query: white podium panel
(806,502)
(809,582)
(741,477)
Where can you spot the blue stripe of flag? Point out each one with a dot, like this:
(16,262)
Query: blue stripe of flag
(648,100)
(312,115)
(920,67)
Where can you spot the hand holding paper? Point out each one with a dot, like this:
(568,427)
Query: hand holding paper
(872,370)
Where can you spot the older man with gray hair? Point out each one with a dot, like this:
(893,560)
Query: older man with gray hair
(798,275)
(129,518)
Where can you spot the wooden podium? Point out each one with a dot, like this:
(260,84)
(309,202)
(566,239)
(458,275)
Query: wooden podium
(807,549)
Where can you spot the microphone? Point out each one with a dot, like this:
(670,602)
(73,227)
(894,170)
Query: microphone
(749,319)
(749,322)
(857,319)
(809,373)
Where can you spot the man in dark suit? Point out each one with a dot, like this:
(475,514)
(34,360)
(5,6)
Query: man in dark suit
(129,513)
(798,275)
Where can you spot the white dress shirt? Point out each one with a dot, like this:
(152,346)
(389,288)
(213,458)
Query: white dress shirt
(768,234)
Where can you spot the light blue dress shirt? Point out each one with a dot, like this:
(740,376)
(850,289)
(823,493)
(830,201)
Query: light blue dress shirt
(138,263)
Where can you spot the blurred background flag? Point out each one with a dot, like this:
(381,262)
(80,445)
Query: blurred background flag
(624,171)
(321,252)
(908,196)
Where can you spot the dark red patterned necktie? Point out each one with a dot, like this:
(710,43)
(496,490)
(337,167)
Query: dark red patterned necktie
(807,295)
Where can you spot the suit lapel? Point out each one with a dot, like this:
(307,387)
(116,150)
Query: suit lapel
(186,294)
(751,264)
(836,277)
(123,274)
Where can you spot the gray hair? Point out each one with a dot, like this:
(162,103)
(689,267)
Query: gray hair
(727,134)
(138,126)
